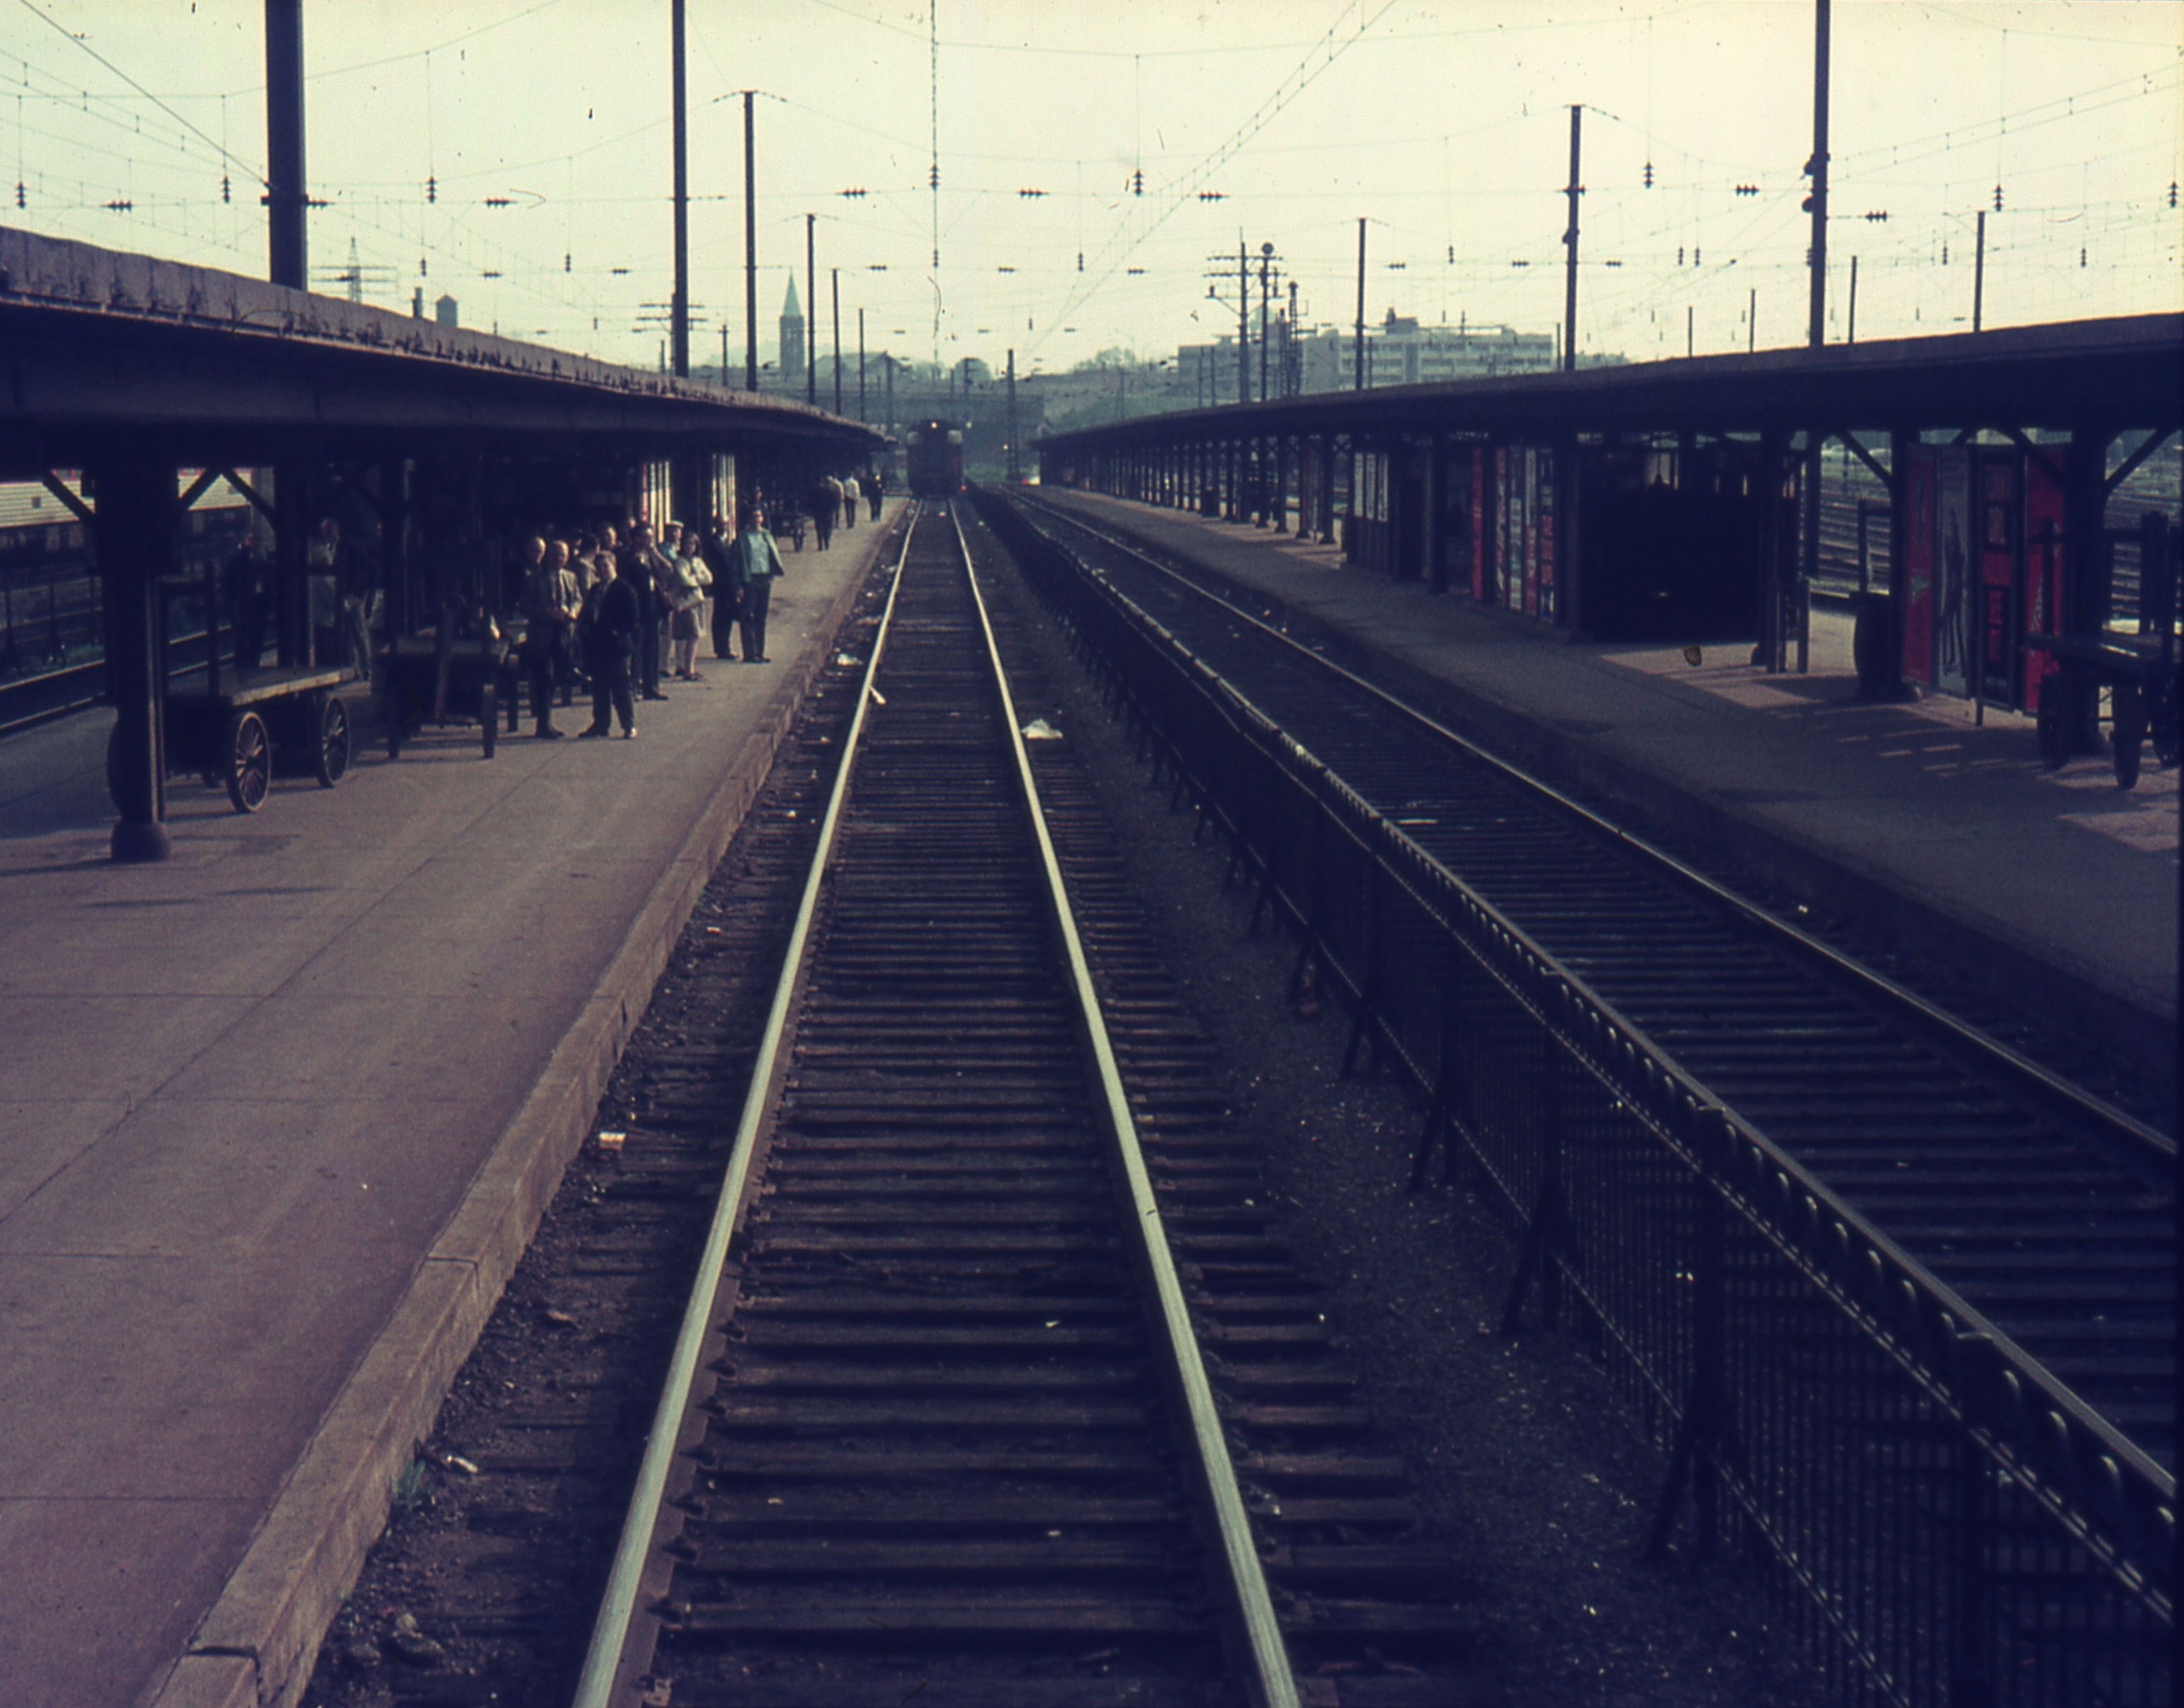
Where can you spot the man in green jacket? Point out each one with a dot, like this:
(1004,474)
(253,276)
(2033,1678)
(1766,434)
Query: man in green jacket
(754,564)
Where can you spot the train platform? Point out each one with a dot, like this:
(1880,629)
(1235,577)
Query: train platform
(2055,890)
(280,1114)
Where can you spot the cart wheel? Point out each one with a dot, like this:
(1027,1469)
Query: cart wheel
(2055,748)
(2129,733)
(489,715)
(333,742)
(2168,736)
(249,751)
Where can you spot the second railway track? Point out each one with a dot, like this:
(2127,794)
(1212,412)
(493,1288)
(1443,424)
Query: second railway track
(2043,1206)
(939,1426)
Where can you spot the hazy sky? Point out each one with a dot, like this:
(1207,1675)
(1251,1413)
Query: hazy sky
(1446,125)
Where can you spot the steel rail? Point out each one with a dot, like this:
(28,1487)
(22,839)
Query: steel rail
(2148,1142)
(1271,1681)
(596,1683)
(1968,1321)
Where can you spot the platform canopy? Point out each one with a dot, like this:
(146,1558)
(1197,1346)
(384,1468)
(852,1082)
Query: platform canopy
(214,368)
(2125,373)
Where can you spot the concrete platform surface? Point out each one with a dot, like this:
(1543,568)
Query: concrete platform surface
(276,1117)
(2061,869)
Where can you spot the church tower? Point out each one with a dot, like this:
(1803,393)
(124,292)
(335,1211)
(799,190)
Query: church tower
(792,340)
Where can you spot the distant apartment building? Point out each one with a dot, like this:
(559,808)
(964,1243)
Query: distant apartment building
(1400,351)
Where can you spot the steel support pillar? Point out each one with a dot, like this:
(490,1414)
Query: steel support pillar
(2085,569)
(133,529)
(292,602)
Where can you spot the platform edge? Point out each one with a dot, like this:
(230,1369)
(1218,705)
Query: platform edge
(259,1642)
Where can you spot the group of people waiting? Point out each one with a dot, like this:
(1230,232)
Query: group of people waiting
(601,604)
(830,500)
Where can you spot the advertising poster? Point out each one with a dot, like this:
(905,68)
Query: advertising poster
(1478,522)
(1545,511)
(1512,581)
(1953,603)
(2043,567)
(1997,560)
(1919,484)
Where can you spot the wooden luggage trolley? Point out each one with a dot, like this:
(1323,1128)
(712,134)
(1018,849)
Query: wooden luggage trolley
(2141,675)
(289,722)
(466,681)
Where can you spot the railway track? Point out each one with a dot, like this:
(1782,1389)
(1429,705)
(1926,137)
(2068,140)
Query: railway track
(939,1424)
(2045,1208)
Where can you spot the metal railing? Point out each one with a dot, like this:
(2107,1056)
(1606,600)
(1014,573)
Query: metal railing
(1949,1525)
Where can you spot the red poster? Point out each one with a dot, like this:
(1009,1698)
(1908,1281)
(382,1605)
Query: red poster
(1478,522)
(1512,588)
(1525,527)
(1918,564)
(2043,566)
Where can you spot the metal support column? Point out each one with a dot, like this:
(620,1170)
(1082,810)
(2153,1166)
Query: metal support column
(394,544)
(2085,593)
(133,529)
(291,612)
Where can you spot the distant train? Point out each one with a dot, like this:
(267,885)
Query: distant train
(935,460)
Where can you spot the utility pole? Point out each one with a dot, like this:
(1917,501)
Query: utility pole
(1570,237)
(1014,470)
(860,364)
(889,360)
(678,314)
(1266,257)
(287,243)
(1689,334)
(750,256)
(1292,381)
(1854,299)
(1752,322)
(1816,334)
(812,313)
(1979,273)
(1359,354)
(1243,324)
(835,277)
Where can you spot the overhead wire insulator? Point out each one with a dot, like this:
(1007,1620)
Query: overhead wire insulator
(227,191)
(1649,174)
(1997,199)
(431,189)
